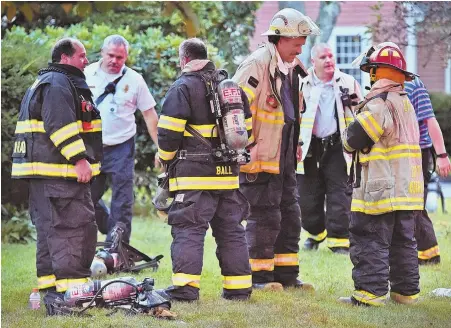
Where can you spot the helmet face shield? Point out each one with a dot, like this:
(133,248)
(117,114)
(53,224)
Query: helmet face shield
(289,22)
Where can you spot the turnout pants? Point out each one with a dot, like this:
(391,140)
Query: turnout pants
(118,164)
(190,216)
(274,225)
(383,249)
(325,180)
(428,250)
(63,214)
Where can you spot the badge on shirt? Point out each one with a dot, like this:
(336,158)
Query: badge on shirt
(271,101)
(126,88)
(253,81)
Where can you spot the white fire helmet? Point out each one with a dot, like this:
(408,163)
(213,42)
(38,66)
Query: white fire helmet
(289,22)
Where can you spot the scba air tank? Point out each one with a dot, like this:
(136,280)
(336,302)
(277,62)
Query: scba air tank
(233,119)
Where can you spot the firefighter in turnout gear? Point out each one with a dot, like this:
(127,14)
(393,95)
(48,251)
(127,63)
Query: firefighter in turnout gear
(270,77)
(58,148)
(324,168)
(205,188)
(388,182)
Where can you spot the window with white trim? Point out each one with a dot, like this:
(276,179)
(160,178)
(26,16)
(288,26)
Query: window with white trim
(348,42)
(348,48)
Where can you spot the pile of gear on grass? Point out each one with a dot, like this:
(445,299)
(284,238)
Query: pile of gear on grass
(124,293)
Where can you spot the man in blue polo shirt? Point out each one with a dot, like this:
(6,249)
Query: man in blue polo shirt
(430,136)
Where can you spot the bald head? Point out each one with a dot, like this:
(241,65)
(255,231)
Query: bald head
(70,51)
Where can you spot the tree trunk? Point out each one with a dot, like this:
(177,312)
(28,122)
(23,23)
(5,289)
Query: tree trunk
(327,17)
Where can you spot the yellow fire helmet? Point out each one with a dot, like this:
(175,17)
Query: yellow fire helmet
(291,23)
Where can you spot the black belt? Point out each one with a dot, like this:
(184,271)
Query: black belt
(331,140)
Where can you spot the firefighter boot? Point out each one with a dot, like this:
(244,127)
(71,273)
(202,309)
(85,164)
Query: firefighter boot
(272,286)
(351,301)
(311,244)
(172,293)
(340,250)
(402,299)
(305,286)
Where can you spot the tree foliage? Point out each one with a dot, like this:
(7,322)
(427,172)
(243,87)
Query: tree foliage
(429,19)
(154,38)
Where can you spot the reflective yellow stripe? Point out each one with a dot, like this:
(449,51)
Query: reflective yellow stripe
(272,118)
(46,281)
(249,93)
(29,126)
(429,253)
(96,126)
(250,140)
(183,279)
(289,259)
(52,170)
(64,284)
(262,264)
(347,147)
(307,123)
(204,183)
(73,149)
(206,130)
(337,242)
(300,167)
(368,298)
(258,166)
(320,237)
(412,297)
(64,133)
(237,282)
(171,123)
(388,209)
(349,120)
(388,157)
(166,155)
(388,201)
(394,148)
(248,123)
(370,126)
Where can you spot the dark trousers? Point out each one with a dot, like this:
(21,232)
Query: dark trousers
(118,164)
(383,249)
(274,225)
(325,180)
(190,216)
(63,214)
(424,230)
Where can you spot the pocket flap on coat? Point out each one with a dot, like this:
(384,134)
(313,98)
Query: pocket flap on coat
(64,190)
(379,184)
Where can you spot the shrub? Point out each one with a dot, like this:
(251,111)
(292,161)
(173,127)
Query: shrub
(441,102)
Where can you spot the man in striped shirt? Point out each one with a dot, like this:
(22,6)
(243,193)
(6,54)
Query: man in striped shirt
(430,135)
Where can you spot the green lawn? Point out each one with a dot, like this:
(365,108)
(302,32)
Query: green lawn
(330,273)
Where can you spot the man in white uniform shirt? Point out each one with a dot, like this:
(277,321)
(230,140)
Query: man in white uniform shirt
(322,173)
(118,92)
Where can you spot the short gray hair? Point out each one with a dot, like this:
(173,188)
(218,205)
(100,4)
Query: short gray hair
(193,48)
(317,47)
(117,40)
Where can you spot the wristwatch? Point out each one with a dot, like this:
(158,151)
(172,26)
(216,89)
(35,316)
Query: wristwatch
(444,155)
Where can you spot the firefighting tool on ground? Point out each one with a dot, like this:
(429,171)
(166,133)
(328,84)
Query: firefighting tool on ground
(118,294)
(119,256)
(224,97)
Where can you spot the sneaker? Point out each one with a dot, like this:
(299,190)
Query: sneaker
(311,244)
(272,286)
